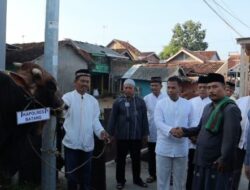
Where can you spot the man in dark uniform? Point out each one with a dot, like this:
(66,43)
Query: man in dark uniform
(218,136)
(129,125)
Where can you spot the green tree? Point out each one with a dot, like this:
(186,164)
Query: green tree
(188,35)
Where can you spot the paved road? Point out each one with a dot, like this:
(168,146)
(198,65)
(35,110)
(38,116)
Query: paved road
(111,182)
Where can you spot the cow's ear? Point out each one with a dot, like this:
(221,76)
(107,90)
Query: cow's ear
(19,80)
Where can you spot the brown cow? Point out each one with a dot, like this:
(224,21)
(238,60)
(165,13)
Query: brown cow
(31,87)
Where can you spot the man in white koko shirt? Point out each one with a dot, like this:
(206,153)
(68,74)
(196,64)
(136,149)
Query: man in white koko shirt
(81,122)
(171,152)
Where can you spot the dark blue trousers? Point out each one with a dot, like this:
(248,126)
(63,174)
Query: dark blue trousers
(81,177)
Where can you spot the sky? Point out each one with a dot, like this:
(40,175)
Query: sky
(146,24)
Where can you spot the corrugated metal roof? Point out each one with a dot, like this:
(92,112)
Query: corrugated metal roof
(97,50)
(131,71)
(145,73)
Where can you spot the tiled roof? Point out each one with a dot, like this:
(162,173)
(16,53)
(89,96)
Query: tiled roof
(145,54)
(128,46)
(201,56)
(134,54)
(31,51)
(26,52)
(10,47)
(210,67)
(124,52)
(198,68)
(208,55)
(204,55)
(233,59)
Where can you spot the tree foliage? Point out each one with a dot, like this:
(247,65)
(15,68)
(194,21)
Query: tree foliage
(188,35)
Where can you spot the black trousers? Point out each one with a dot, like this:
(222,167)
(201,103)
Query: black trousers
(151,159)
(190,172)
(134,148)
(208,178)
(238,163)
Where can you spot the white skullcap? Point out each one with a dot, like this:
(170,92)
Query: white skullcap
(130,82)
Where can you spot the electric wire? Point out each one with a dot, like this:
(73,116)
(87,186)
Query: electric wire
(231,14)
(224,20)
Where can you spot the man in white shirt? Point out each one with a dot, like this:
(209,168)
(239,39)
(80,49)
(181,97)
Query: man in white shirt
(151,101)
(244,105)
(171,152)
(198,104)
(247,157)
(81,121)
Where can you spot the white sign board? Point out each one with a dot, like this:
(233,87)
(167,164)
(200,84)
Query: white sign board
(34,115)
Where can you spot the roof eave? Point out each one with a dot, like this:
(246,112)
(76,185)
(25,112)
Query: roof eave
(185,51)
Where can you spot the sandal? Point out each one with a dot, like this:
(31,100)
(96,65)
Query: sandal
(150,179)
(119,186)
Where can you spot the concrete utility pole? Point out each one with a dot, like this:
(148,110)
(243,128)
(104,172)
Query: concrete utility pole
(3,12)
(244,66)
(50,64)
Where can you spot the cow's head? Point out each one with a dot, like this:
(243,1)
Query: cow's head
(38,83)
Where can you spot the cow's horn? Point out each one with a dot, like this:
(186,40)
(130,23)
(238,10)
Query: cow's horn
(37,71)
(18,64)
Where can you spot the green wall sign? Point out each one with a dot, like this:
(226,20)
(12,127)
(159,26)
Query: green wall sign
(101,68)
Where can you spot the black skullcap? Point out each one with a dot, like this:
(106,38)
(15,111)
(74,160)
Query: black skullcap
(155,80)
(82,72)
(215,77)
(230,84)
(202,79)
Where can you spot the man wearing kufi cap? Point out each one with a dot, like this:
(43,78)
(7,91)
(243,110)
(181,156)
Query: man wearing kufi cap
(218,136)
(198,104)
(129,82)
(128,124)
(151,101)
(81,122)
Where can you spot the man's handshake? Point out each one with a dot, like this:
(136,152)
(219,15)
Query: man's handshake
(177,132)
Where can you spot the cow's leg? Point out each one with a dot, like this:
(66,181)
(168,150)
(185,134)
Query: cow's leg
(8,163)
(28,157)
